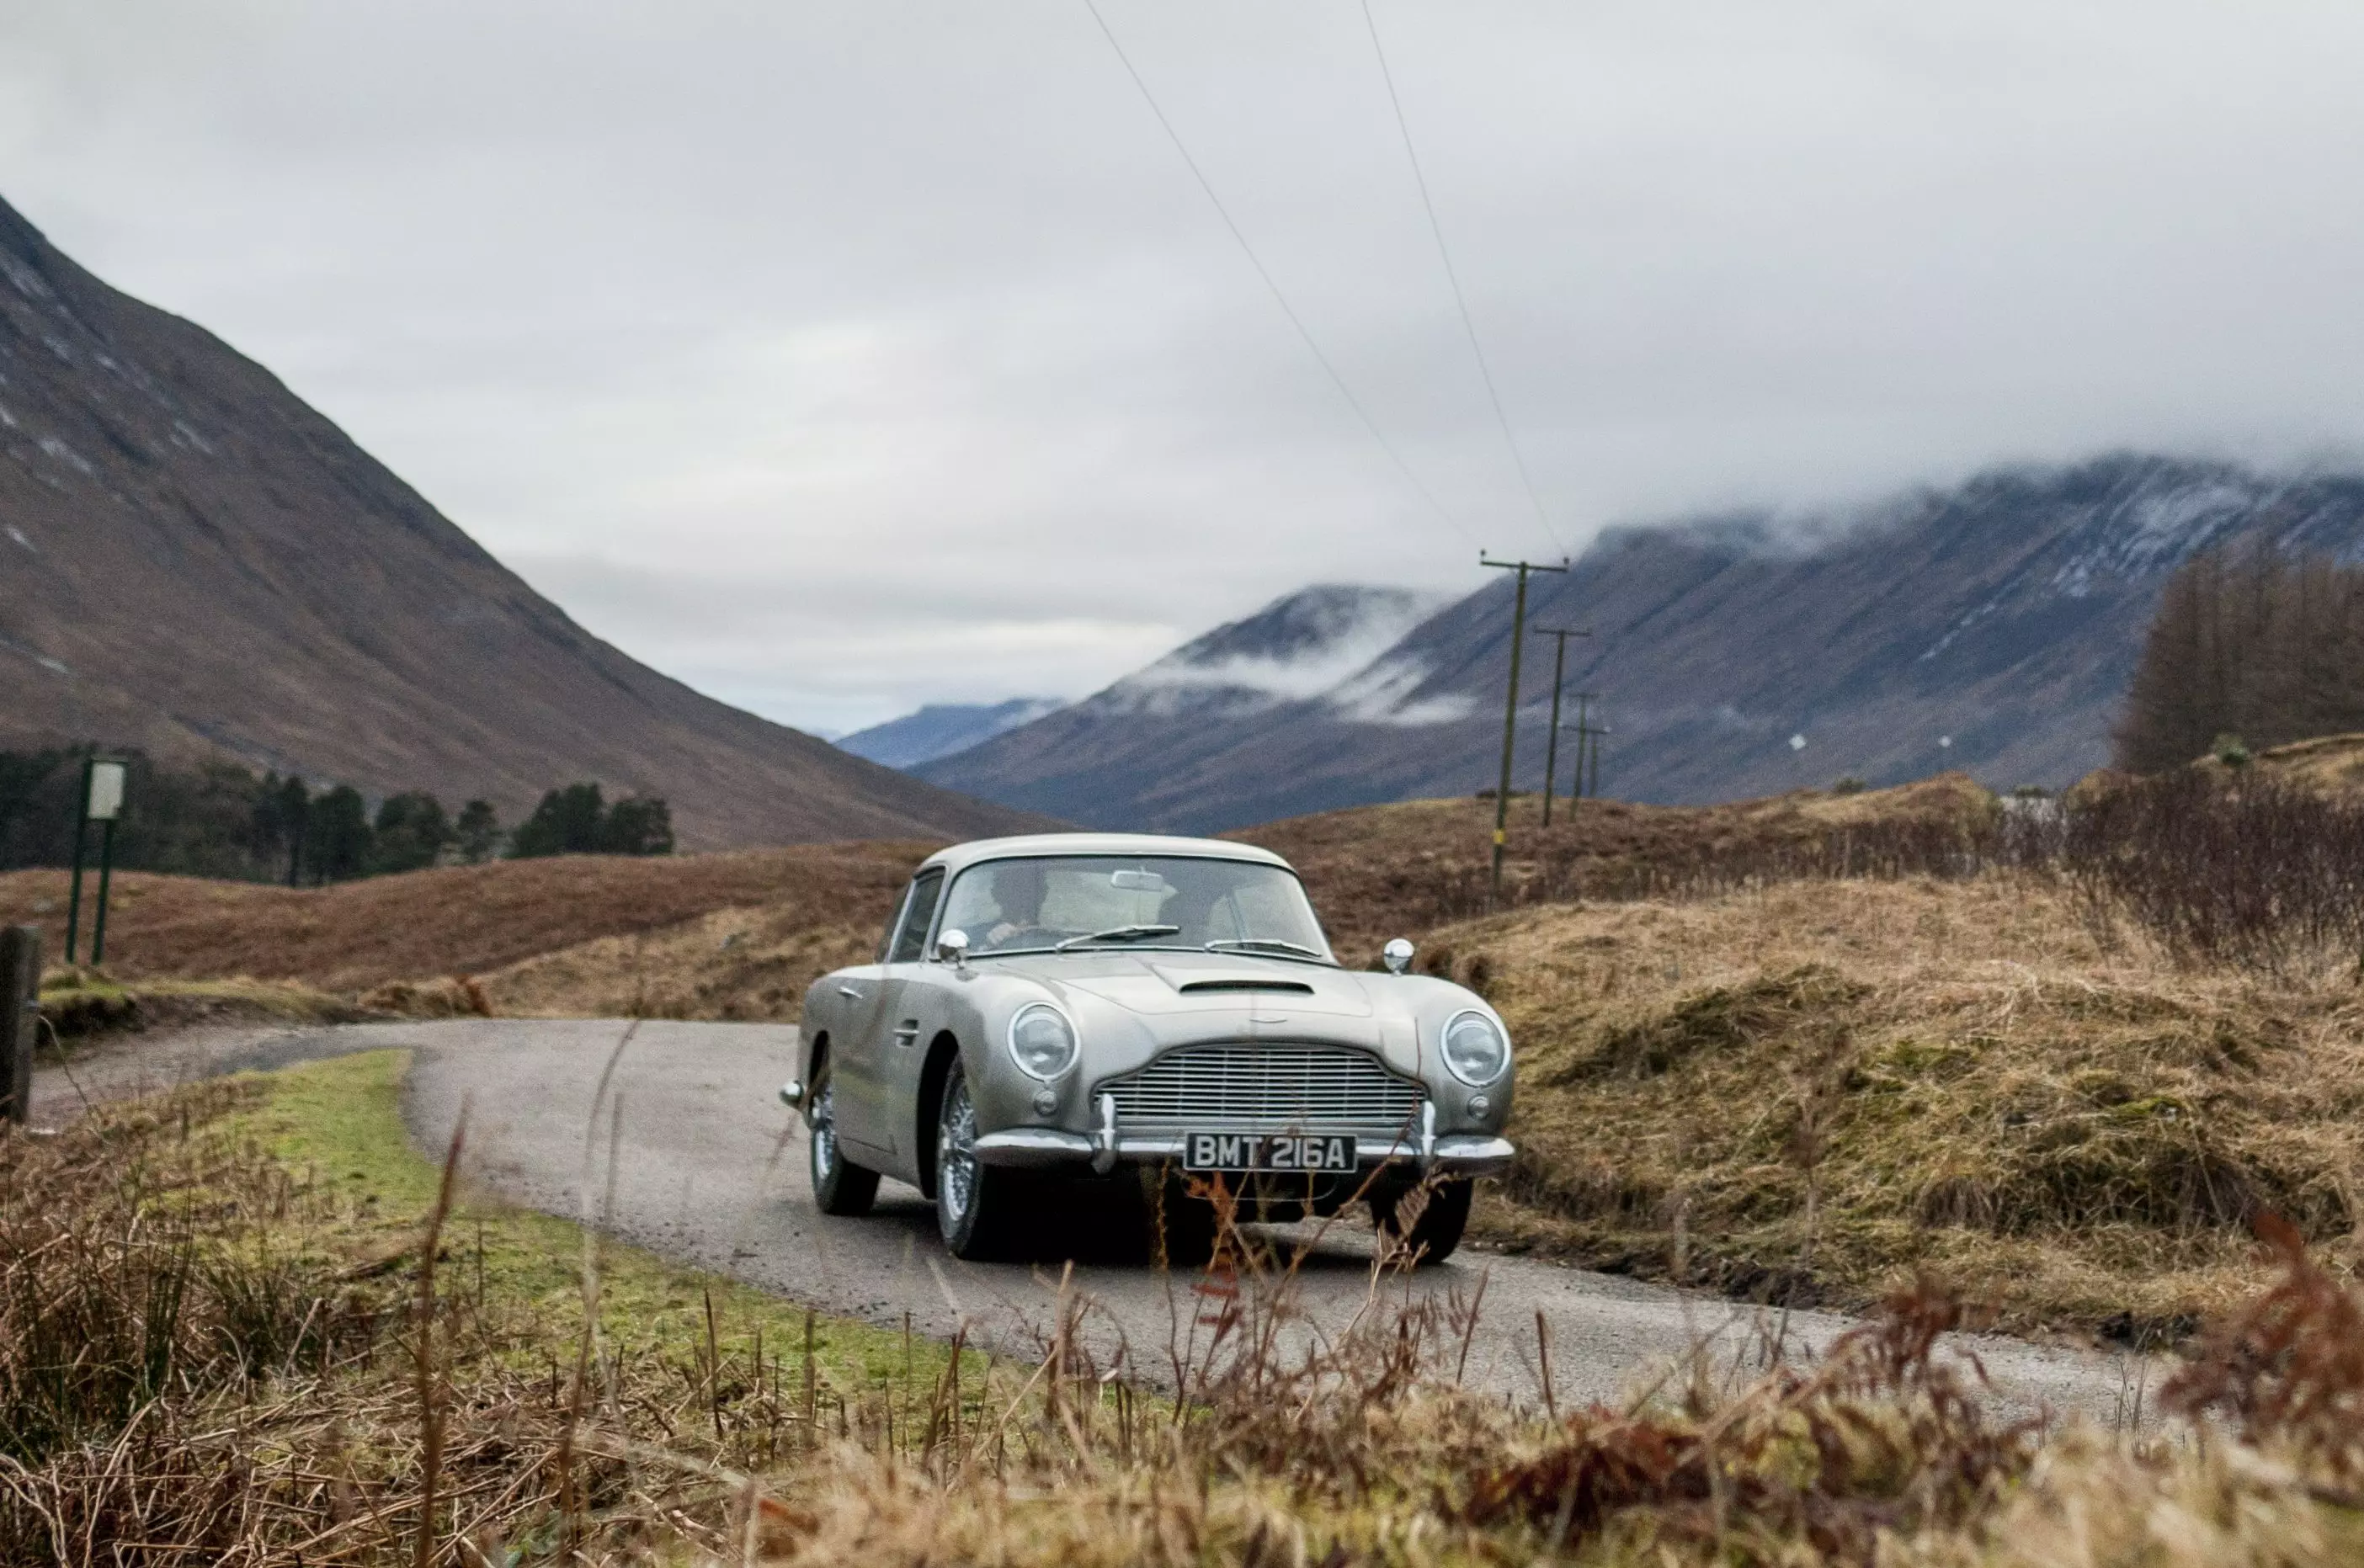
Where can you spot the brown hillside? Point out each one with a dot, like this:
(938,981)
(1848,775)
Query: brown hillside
(198,563)
(455,921)
(1377,871)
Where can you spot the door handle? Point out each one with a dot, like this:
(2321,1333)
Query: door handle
(907,1033)
(849,993)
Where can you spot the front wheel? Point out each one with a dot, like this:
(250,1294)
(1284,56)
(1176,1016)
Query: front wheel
(840,1186)
(974,1201)
(1432,1235)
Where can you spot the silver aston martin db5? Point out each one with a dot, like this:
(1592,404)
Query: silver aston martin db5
(1145,1017)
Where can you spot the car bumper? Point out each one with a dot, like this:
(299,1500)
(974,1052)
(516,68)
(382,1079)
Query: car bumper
(1042,1148)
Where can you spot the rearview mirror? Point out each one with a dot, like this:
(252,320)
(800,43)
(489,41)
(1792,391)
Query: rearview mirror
(1396,955)
(951,946)
(1139,882)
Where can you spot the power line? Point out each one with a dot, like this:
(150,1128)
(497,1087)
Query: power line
(1264,272)
(1452,276)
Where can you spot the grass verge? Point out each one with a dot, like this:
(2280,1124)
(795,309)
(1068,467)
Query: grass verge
(337,1128)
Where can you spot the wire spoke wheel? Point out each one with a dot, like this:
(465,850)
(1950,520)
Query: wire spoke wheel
(840,1186)
(824,1133)
(956,1168)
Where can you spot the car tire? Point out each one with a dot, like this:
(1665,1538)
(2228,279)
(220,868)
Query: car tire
(1435,1234)
(840,1186)
(976,1203)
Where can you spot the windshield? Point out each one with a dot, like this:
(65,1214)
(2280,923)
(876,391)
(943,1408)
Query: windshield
(1158,900)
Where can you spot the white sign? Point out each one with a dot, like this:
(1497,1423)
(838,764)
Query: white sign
(105,791)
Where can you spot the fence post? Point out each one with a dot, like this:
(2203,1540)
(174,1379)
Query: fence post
(20,1000)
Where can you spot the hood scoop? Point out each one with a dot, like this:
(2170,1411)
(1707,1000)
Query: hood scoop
(1200,987)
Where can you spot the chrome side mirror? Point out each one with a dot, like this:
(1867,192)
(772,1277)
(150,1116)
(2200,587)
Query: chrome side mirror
(1396,955)
(951,946)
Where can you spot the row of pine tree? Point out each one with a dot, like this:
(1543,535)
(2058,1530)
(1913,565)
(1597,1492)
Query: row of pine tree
(221,821)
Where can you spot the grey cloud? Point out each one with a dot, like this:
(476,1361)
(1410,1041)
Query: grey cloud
(855,333)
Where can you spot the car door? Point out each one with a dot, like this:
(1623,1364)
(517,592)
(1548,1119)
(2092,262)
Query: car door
(869,1112)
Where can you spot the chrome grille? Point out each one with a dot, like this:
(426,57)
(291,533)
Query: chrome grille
(1266,1088)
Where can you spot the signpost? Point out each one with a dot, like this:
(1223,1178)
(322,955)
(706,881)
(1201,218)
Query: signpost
(20,993)
(101,801)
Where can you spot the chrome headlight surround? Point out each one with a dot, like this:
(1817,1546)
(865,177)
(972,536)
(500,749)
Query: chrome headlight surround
(1474,1048)
(1043,1041)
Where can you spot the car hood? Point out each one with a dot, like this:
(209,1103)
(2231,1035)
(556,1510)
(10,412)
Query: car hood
(1173,985)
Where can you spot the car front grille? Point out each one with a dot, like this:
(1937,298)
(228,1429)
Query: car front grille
(1266,1088)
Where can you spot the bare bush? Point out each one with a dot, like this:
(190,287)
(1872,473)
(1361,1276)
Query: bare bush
(2245,869)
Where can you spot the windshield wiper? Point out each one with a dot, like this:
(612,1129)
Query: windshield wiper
(1116,934)
(1273,944)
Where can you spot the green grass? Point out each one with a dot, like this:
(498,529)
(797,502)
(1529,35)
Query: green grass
(340,1124)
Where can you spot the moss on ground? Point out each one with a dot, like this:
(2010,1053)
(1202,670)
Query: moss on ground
(80,1003)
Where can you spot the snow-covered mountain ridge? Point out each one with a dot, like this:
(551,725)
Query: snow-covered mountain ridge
(1991,625)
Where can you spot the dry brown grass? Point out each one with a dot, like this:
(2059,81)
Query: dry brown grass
(1377,871)
(1810,1091)
(735,965)
(210,1354)
(455,921)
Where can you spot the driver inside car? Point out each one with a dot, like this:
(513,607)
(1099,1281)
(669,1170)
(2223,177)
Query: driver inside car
(1017,892)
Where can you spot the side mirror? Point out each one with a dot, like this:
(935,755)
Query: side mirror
(951,946)
(1396,955)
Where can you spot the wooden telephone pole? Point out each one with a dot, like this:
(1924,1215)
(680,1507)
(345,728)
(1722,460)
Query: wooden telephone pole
(1587,748)
(1559,668)
(1510,708)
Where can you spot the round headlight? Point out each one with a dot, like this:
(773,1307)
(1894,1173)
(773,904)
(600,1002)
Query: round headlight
(1042,1041)
(1476,1049)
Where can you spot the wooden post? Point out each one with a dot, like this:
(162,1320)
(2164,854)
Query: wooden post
(1509,711)
(20,996)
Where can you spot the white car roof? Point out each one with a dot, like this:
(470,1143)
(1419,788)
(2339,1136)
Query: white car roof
(959,857)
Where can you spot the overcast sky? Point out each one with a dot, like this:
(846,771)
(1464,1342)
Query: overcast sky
(839,357)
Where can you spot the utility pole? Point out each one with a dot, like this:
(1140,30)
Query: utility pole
(1575,785)
(1559,667)
(1584,748)
(1587,749)
(1510,708)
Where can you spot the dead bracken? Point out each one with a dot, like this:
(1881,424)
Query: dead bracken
(198,1358)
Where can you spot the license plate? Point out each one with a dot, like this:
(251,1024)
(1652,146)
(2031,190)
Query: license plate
(1268,1152)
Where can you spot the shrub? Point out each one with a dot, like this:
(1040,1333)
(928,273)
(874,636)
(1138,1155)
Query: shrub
(2250,870)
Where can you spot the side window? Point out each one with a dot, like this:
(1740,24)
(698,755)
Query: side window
(918,909)
(894,924)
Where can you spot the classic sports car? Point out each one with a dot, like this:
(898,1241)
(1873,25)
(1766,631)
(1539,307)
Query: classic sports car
(1148,1015)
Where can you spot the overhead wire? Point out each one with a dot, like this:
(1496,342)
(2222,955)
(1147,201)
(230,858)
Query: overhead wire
(1272,285)
(1453,277)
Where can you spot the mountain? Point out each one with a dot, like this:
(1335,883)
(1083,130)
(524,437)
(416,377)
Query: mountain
(193,561)
(1991,627)
(1105,761)
(939,730)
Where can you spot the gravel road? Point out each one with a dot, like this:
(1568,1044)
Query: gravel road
(708,1169)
